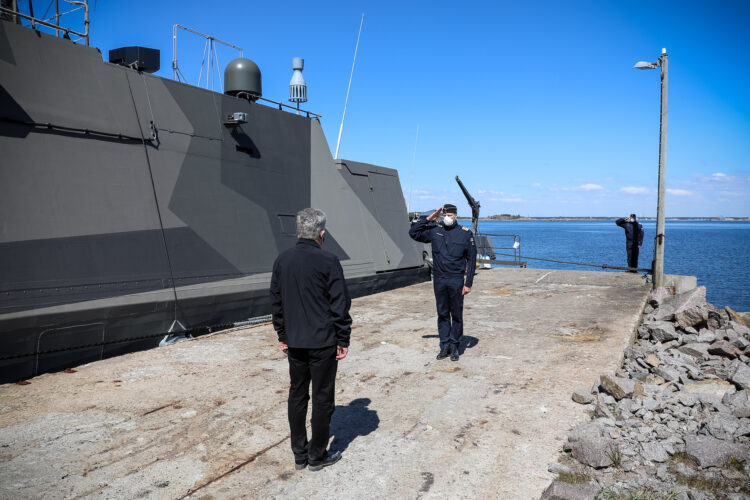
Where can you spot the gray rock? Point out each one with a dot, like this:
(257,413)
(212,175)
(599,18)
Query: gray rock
(604,422)
(744,428)
(698,350)
(625,404)
(741,343)
(740,328)
(692,316)
(620,387)
(584,431)
(583,396)
(606,399)
(559,490)
(724,348)
(662,473)
(689,338)
(591,446)
(706,336)
(722,426)
(654,452)
(651,404)
(643,332)
(602,411)
(661,331)
(740,375)
(668,373)
(739,402)
(678,303)
(684,469)
(707,451)
(558,468)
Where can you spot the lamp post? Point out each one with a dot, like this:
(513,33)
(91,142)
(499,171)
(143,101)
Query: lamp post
(659,247)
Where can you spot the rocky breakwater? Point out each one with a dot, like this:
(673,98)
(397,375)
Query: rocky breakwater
(674,421)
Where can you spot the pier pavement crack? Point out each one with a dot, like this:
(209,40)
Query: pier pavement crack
(237,467)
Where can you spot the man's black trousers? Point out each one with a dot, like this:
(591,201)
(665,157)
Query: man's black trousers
(633,256)
(318,366)
(449,300)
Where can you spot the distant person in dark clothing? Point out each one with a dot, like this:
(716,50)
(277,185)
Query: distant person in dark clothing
(310,305)
(453,255)
(633,238)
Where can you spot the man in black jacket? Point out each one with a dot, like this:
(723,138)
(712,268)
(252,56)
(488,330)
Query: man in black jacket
(310,305)
(633,238)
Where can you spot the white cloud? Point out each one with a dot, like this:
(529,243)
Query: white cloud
(512,200)
(718,176)
(634,190)
(679,192)
(536,184)
(589,187)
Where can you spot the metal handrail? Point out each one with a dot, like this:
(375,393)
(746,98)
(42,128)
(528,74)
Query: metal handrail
(56,26)
(492,248)
(281,105)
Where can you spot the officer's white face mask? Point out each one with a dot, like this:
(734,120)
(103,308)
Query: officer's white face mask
(448,221)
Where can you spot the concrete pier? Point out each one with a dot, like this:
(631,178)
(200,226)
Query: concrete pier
(207,418)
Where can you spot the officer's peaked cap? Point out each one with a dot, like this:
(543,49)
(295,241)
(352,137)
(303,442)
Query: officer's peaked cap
(450,209)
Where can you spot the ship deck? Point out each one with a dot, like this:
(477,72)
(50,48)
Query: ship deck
(207,418)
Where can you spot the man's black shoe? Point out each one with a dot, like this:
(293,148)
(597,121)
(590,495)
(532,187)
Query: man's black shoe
(329,460)
(454,354)
(300,465)
(444,352)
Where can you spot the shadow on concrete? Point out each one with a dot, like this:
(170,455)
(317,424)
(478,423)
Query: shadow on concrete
(351,421)
(467,342)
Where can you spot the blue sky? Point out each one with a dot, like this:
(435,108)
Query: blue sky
(536,105)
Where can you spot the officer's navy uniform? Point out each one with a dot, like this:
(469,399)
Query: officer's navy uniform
(633,239)
(453,253)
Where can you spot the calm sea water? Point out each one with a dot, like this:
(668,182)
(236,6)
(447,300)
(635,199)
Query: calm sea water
(718,253)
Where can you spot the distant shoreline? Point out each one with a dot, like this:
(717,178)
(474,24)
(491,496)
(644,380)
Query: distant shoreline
(595,219)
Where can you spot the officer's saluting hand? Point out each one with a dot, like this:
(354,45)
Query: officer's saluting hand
(453,255)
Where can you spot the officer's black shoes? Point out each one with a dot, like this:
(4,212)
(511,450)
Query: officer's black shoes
(300,465)
(454,354)
(329,460)
(444,352)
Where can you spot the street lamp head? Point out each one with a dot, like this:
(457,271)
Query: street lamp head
(646,65)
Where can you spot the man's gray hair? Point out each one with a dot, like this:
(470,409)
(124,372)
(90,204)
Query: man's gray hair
(310,222)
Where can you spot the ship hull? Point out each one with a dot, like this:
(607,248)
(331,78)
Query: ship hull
(130,206)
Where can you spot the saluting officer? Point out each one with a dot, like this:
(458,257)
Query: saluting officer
(633,239)
(453,254)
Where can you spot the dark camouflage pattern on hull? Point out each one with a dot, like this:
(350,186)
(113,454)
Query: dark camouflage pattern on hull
(127,203)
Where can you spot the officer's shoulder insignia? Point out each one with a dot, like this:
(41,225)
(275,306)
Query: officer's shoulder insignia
(464,228)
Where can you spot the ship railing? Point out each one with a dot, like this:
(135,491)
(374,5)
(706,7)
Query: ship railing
(491,245)
(14,15)
(283,106)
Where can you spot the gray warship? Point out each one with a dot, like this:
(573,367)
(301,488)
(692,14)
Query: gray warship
(134,206)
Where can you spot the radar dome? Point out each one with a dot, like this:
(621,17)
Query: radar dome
(243,76)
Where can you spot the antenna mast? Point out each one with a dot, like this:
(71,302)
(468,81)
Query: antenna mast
(341,129)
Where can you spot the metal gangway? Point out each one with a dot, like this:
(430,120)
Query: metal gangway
(490,246)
